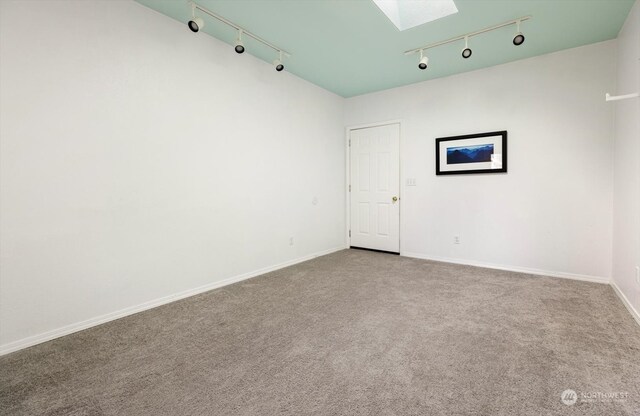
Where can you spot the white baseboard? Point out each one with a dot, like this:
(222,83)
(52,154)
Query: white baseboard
(625,301)
(79,326)
(585,278)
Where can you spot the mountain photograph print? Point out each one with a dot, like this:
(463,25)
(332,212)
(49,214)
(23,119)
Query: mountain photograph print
(469,154)
(472,153)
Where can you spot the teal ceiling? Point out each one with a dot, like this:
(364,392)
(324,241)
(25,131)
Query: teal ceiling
(351,48)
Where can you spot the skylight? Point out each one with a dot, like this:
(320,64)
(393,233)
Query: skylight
(406,14)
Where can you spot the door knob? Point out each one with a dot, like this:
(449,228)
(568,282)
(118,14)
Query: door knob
(394,199)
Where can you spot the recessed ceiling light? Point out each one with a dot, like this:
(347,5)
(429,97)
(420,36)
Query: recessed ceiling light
(407,14)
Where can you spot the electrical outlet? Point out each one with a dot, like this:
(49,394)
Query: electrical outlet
(290,241)
(456,239)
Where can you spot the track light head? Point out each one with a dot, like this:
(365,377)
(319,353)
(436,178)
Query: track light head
(424,62)
(466,52)
(278,62)
(518,39)
(195,24)
(239,45)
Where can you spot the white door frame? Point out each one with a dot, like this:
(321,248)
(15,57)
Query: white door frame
(348,175)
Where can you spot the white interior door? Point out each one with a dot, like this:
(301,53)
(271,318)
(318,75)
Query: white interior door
(375,185)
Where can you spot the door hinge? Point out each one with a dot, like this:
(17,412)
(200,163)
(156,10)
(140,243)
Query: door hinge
(349,188)
(349,142)
(349,233)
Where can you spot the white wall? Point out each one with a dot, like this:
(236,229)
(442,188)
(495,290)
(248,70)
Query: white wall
(626,232)
(552,211)
(140,160)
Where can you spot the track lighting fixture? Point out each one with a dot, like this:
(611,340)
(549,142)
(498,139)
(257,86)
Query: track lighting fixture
(278,63)
(518,39)
(424,61)
(239,45)
(196,23)
(466,52)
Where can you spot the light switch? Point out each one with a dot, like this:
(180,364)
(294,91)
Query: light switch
(411,181)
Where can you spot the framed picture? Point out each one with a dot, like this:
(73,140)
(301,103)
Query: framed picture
(473,153)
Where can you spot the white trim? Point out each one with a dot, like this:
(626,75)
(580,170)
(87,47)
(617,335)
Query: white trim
(625,301)
(375,124)
(573,276)
(98,320)
(347,183)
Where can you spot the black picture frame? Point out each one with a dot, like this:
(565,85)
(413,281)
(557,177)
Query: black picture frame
(456,157)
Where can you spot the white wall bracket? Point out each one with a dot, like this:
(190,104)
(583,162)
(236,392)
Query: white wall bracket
(609,97)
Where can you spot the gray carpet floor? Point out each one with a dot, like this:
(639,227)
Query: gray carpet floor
(351,333)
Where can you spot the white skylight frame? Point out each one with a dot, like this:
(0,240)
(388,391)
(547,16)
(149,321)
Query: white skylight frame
(405,14)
